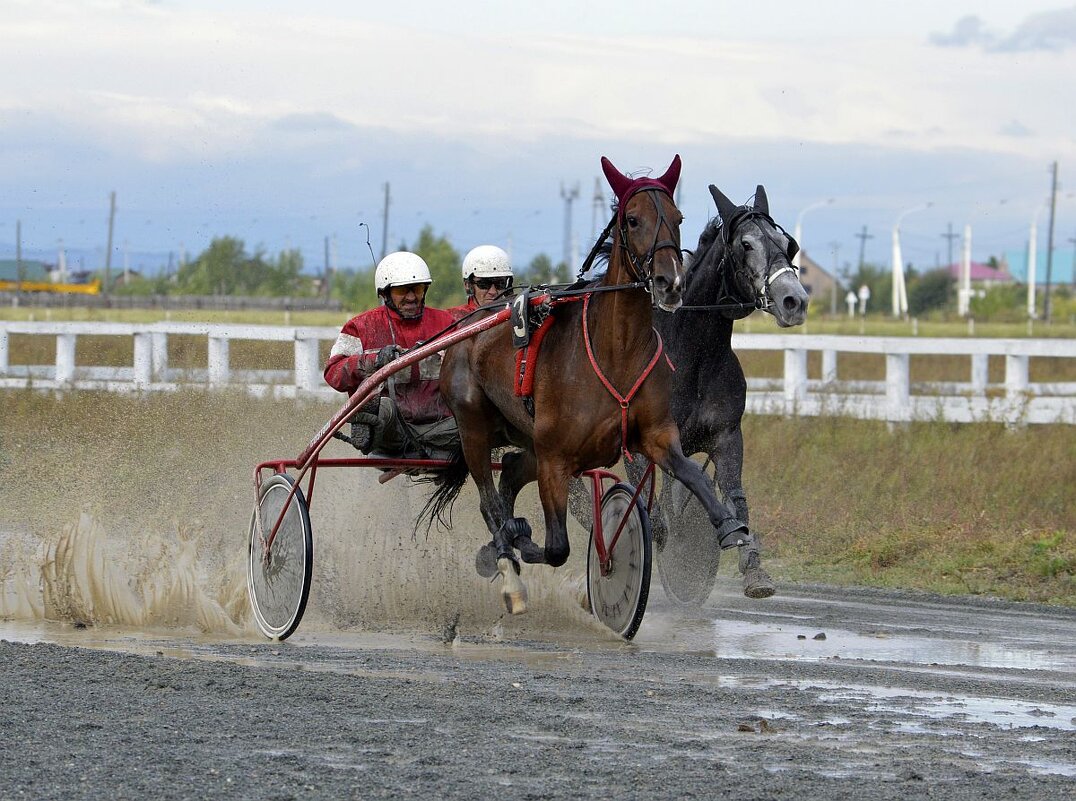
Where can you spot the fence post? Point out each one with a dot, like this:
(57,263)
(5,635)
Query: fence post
(1016,386)
(307,374)
(795,378)
(3,352)
(218,361)
(829,366)
(143,359)
(160,355)
(65,358)
(980,373)
(897,388)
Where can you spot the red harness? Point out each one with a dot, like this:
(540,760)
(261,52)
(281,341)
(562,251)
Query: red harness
(623,400)
(527,359)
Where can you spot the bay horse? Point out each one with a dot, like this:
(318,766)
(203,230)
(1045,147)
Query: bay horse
(743,263)
(595,350)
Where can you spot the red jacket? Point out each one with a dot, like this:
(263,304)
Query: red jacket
(458,312)
(352,359)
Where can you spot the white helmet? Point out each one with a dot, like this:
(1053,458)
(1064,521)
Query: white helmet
(400,269)
(487,261)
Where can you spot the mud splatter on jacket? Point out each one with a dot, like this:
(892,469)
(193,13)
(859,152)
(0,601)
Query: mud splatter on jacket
(352,359)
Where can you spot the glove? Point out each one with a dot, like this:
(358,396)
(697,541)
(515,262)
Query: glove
(385,355)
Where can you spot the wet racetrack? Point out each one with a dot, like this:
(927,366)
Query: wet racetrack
(846,694)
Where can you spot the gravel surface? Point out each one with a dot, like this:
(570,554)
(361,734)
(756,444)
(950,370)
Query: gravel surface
(822,694)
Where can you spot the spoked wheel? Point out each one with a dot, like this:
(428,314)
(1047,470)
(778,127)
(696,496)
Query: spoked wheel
(618,599)
(280,585)
(690,556)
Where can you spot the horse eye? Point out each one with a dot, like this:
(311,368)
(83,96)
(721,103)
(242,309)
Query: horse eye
(632,221)
(746,244)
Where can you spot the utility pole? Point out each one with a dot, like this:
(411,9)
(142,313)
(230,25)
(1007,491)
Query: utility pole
(385,225)
(108,250)
(833,287)
(596,208)
(1050,243)
(325,274)
(863,237)
(950,236)
(18,258)
(1072,240)
(568,195)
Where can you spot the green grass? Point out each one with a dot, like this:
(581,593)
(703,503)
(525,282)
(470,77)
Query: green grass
(947,508)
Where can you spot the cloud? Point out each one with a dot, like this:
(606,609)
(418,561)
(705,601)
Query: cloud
(968,31)
(1046,30)
(314,122)
(1015,128)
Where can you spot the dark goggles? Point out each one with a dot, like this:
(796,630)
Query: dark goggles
(485,284)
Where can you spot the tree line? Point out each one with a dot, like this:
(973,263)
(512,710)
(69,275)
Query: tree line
(226,267)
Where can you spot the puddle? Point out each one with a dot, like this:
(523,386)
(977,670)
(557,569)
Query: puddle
(1002,712)
(785,636)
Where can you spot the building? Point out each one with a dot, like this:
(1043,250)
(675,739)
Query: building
(32,270)
(822,287)
(983,276)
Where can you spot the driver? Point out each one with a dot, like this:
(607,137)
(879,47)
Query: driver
(409,418)
(487,273)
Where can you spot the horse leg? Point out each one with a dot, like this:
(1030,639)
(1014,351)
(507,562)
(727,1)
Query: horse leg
(519,468)
(498,554)
(553,477)
(664,449)
(727,455)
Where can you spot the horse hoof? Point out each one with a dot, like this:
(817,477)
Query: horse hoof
(485,561)
(513,591)
(757,583)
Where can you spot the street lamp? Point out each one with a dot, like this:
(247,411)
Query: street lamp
(900,293)
(798,231)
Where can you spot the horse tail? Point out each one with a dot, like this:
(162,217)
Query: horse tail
(448,483)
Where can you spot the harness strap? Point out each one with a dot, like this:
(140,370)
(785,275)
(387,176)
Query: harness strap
(623,400)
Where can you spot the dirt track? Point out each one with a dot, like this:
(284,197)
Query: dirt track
(906,697)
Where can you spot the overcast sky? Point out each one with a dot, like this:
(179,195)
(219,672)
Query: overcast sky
(280,122)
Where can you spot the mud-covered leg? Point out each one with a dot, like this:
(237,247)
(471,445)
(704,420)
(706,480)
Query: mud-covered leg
(728,465)
(498,553)
(519,468)
(731,531)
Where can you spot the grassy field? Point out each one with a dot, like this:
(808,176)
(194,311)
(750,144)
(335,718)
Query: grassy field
(946,508)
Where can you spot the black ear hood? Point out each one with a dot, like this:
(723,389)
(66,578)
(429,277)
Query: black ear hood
(761,202)
(726,209)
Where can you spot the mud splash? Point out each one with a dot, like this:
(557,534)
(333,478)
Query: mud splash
(88,576)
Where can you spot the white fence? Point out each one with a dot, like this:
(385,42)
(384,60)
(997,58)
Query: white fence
(1015,401)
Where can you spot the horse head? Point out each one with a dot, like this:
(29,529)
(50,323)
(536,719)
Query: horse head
(648,232)
(760,253)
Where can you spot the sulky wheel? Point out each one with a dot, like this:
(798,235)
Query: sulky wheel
(618,599)
(689,556)
(280,585)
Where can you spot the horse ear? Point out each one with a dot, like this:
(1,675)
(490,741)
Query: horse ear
(725,207)
(672,175)
(761,203)
(617,180)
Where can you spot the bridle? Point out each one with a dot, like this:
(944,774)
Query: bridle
(642,269)
(762,302)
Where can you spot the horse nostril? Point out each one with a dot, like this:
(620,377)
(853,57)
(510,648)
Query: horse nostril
(792,303)
(661,282)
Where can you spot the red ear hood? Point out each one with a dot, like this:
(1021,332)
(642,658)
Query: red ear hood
(624,187)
